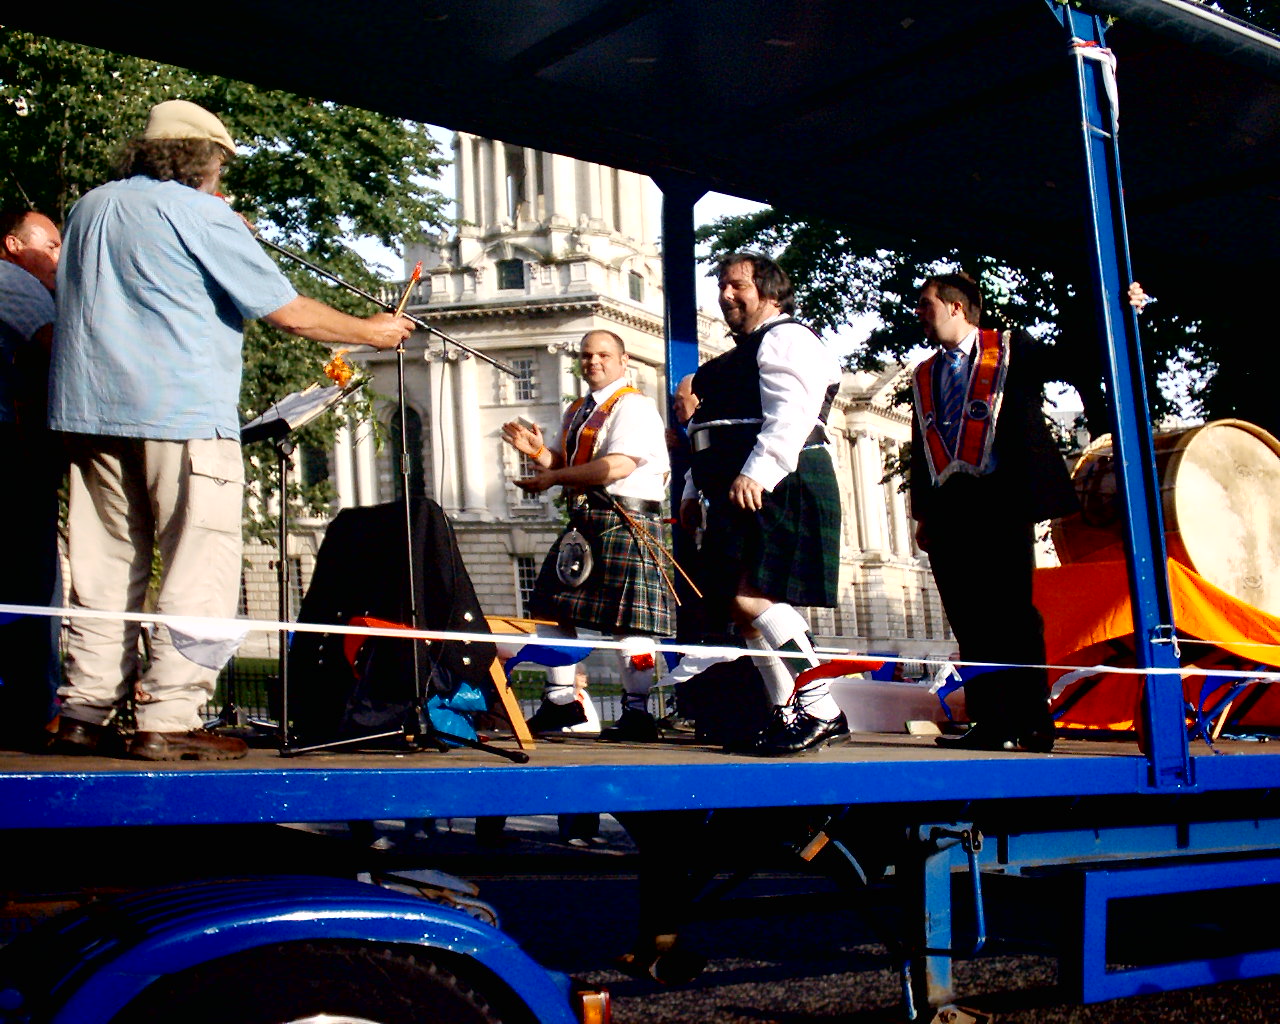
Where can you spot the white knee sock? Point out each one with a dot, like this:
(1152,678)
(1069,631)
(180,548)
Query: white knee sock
(783,629)
(559,688)
(635,669)
(777,680)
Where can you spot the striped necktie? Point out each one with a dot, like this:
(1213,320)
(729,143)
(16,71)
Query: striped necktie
(575,427)
(953,386)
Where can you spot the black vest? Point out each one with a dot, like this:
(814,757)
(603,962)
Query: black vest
(728,388)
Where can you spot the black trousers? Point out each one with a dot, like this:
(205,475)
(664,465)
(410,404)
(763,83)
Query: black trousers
(30,665)
(983,563)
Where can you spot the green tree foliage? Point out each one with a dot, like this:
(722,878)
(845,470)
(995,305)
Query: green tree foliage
(311,175)
(840,274)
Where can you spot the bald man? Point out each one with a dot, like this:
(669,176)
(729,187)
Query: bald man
(613,465)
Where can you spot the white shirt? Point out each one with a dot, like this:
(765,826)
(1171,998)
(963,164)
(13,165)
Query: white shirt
(966,347)
(796,368)
(634,429)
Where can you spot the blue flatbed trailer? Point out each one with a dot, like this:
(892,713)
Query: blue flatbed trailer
(1084,817)
(864,107)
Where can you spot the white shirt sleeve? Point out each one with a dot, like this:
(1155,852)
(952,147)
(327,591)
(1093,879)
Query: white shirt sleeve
(635,429)
(796,369)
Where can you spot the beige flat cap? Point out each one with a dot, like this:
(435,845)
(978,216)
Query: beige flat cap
(180,119)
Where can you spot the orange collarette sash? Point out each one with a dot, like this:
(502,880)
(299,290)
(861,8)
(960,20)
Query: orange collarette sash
(589,435)
(988,368)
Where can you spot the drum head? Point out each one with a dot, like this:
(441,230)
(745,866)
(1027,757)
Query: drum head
(1223,508)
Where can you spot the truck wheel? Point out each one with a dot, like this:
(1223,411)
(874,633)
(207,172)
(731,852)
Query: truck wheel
(299,983)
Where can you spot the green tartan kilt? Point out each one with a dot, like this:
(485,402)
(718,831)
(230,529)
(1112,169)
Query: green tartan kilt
(625,593)
(789,550)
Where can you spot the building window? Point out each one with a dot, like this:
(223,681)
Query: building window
(313,459)
(524,387)
(296,588)
(635,286)
(510,274)
(526,576)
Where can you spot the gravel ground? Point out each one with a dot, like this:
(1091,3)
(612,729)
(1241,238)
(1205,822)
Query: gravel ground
(574,910)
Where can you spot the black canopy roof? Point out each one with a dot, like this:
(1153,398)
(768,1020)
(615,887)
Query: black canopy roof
(868,112)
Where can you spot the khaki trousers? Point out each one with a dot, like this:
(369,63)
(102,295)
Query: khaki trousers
(128,498)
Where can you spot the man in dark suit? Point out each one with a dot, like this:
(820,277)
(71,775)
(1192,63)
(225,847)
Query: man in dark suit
(984,471)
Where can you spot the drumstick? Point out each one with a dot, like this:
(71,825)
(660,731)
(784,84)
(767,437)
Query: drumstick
(414,278)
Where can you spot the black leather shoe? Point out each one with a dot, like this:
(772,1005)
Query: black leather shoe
(632,726)
(196,745)
(78,738)
(1033,741)
(552,717)
(782,738)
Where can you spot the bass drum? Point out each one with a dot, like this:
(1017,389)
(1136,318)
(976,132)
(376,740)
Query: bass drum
(1220,493)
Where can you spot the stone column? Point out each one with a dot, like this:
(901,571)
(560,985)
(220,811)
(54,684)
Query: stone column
(444,462)
(873,534)
(484,185)
(344,479)
(902,521)
(502,212)
(464,172)
(468,440)
(366,467)
(560,177)
(595,206)
(532,160)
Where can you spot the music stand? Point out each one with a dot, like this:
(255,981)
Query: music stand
(276,424)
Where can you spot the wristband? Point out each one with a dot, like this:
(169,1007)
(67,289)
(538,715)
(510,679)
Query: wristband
(538,454)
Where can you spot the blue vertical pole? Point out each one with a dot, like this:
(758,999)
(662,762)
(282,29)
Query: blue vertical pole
(679,274)
(1136,482)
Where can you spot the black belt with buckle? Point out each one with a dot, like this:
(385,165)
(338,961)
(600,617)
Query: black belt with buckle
(605,502)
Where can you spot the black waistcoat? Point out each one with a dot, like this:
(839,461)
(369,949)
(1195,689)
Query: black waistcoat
(728,388)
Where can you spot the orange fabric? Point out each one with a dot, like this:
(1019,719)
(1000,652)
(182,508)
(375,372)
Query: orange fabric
(986,385)
(1088,603)
(1089,621)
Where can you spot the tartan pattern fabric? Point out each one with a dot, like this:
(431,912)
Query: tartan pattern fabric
(790,550)
(625,592)
(952,394)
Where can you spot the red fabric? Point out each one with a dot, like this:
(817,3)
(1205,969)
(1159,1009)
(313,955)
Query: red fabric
(845,667)
(352,643)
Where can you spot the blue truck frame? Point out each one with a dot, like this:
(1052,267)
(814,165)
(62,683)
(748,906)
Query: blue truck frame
(1189,824)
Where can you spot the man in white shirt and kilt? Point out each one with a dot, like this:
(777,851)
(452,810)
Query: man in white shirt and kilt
(762,466)
(606,571)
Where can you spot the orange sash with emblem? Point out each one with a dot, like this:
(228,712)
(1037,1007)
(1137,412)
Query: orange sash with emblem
(590,431)
(987,370)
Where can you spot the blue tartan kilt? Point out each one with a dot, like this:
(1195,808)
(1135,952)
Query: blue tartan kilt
(625,594)
(789,550)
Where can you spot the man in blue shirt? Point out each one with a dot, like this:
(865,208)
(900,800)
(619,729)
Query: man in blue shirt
(158,276)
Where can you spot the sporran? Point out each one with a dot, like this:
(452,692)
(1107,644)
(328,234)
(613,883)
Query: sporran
(574,561)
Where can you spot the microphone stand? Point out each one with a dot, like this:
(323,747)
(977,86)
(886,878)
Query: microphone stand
(388,307)
(417,728)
